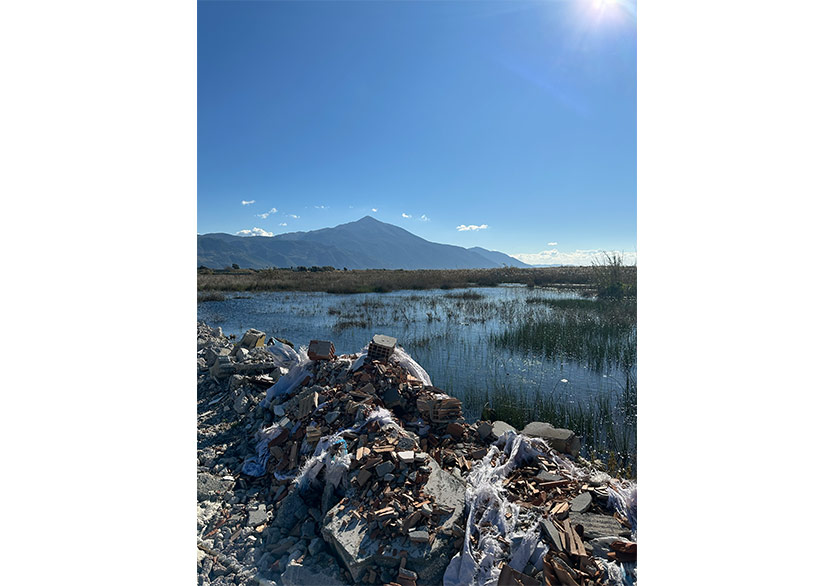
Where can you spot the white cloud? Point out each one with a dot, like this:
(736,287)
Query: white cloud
(405,215)
(578,257)
(283,224)
(294,216)
(552,244)
(321,207)
(247,203)
(265,214)
(373,209)
(423,218)
(253,232)
(463,228)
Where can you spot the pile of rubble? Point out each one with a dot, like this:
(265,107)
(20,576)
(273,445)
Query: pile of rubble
(368,474)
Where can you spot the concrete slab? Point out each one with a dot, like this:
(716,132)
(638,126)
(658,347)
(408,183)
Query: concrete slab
(356,550)
(596,525)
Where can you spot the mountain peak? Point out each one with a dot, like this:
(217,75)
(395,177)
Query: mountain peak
(362,244)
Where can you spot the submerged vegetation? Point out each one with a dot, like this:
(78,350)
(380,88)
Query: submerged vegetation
(598,333)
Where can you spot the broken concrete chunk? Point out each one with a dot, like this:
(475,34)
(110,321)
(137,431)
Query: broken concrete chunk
(562,440)
(307,403)
(406,457)
(257,516)
(351,537)
(332,416)
(596,525)
(392,398)
(499,428)
(581,503)
(384,468)
(310,575)
(419,536)
(252,339)
(222,367)
(212,354)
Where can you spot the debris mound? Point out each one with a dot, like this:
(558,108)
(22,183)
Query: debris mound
(368,464)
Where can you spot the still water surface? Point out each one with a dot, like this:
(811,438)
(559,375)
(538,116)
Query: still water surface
(448,336)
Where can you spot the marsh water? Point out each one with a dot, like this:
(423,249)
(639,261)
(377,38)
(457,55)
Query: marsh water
(476,344)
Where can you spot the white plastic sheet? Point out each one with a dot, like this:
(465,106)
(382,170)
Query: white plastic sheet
(283,355)
(488,506)
(299,370)
(402,358)
(257,465)
(411,365)
(331,453)
(623,497)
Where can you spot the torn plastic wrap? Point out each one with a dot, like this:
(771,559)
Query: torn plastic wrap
(400,357)
(491,516)
(299,370)
(331,453)
(623,497)
(621,574)
(360,359)
(283,355)
(257,465)
(410,364)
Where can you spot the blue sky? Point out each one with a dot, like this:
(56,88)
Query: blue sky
(507,125)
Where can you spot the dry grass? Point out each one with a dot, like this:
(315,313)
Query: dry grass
(382,281)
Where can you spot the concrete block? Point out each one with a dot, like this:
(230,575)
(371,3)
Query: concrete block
(562,440)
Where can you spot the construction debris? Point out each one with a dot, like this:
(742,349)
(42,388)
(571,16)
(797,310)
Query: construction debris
(321,350)
(381,347)
(369,466)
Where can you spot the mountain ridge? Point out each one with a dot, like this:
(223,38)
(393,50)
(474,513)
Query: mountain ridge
(366,243)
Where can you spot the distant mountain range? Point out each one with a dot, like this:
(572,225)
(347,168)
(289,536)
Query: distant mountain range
(364,244)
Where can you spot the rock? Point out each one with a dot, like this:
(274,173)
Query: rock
(456,430)
(309,529)
(284,545)
(499,427)
(418,536)
(252,339)
(241,354)
(485,428)
(596,525)
(212,354)
(384,468)
(392,398)
(258,516)
(222,367)
(406,457)
(351,538)
(332,416)
(209,485)
(310,575)
(562,440)
(241,403)
(317,545)
(581,503)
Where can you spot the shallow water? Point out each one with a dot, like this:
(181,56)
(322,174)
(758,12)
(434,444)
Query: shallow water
(449,337)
